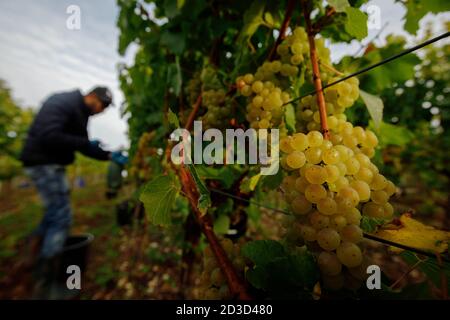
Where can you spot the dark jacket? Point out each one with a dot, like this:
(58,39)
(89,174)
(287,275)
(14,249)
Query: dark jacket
(58,130)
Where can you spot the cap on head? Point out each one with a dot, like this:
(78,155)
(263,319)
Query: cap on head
(103,94)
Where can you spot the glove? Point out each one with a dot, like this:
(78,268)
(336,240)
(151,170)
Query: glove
(95,143)
(119,158)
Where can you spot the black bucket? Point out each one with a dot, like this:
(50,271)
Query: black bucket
(75,252)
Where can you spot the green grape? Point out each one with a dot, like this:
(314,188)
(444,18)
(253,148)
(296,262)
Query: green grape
(388,210)
(313,155)
(315,192)
(257,86)
(308,233)
(379,182)
(299,142)
(373,210)
(349,254)
(301,184)
(300,205)
(333,173)
(351,233)
(344,204)
(338,222)
(364,174)
(379,197)
(296,159)
(371,140)
(349,193)
(315,138)
(327,206)
(328,239)
(288,183)
(353,216)
(362,188)
(329,264)
(316,174)
(390,188)
(318,220)
(352,166)
(285,145)
(331,156)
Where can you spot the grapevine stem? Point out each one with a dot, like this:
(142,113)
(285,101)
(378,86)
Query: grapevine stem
(283,29)
(193,113)
(316,71)
(392,286)
(237,288)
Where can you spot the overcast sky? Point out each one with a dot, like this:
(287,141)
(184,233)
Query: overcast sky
(39,55)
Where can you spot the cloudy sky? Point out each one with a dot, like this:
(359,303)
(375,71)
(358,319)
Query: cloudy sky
(39,55)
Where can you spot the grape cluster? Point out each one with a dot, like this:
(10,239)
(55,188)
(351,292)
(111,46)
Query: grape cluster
(328,184)
(140,168)
(212,282)
(213,101)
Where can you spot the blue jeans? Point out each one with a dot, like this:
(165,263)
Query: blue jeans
(53,188)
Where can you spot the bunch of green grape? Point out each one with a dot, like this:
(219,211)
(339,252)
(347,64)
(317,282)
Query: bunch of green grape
(328,185)
(338,98)
(216,111)
(269,89)
(212,282)
(193,88)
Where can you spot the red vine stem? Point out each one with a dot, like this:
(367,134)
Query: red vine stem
(237,288)
(235,283)
(283,29)
(316,71)
(193,113)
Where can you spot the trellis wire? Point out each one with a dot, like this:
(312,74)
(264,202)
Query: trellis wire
(394,57)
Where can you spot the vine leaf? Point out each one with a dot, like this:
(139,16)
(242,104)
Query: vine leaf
(253,18)
(173,119)
(356,24)
(222,224)
(158,197)
(417,235)
(369,224)
(339,5)
(261,252)
(375,107)
(416,10)
(289,116)
(390,134)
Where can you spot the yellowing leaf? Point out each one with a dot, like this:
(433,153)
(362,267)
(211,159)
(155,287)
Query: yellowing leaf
(415,234)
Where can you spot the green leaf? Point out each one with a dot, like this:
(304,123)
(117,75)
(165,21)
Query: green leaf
(356,24)
(254,181)
(174,76)
(416,10)
(171,8)
(339,5)
(174,41)
(289,117)
(227,175)
(390,134)
(173,119)
(253,18)
(273,181)
(370,225)
(430,267)
(222,224)
(158,197)
(261,252)
(375,107)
